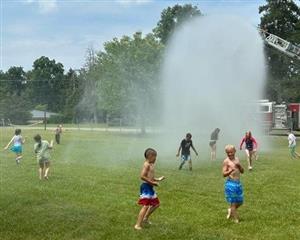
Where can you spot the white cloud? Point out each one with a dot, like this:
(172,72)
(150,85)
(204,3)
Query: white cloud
(132,2)
(45,6)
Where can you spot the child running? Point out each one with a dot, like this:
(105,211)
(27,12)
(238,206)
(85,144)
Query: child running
(148,198)
(41,148)
(233,187)
(184,147)
(213,144)
(250,148)
(292,144)
(17,141)
(58,132)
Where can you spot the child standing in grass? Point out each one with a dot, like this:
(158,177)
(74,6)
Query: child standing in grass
(213,143)
(148,198)
(42,150)
(292,144)
(17,141)
(232,169)
(250,148)
(58,132)
(184,148)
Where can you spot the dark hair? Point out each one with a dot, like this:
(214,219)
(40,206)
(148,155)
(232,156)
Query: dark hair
(249,133)
(149,151)
(188,135)
(17,131)
(38,139)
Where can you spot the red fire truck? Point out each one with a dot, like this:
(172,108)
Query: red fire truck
(294,114)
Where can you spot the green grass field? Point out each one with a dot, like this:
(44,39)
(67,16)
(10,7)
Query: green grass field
(94,184)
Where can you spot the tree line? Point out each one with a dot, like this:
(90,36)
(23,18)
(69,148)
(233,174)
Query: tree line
(123,80)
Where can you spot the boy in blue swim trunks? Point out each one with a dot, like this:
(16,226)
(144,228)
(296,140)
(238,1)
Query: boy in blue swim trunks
(232,169)
(17,141)
(148,198)
(184,148)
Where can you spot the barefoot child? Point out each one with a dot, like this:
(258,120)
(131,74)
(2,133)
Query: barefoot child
(233,187)
(58,132)
(148,198)
(292,144)
(250,148)
(213,143)
(17,141)
(184,147)
(42,150)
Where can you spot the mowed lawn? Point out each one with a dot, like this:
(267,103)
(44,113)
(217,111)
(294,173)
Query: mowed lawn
(94,183)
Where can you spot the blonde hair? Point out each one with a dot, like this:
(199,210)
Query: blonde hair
(229,147)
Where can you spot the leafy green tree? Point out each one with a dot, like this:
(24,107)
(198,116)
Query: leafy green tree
(281,18)
(15,107)
(15,80)
(47,83)
(128,77)
(173,17)
(73,92)
(88,107)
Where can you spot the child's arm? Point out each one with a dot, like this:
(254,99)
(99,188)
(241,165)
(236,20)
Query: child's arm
(144,175)
(179,149)
(23,140)
(255,143)
(194,149)
(9,143)
(160,178)
(239,166)
(225,170)
(241,144)
(51,144)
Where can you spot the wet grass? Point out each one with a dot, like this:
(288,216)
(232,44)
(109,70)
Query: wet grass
(94,184)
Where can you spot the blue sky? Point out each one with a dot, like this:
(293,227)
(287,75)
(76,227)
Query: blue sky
(64,29)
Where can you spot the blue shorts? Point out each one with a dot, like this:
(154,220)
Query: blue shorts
(16,149)
(185,158)
(233,191)
(148,196)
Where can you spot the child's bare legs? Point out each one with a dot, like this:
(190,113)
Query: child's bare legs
(41,173)
(233,211)
(181,164)
(150,210)
(255,155)
(249,159)
(18,158)
(190,164)
(141,216)
(46,168)
(213,154)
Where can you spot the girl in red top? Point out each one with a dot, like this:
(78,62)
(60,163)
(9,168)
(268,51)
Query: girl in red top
(250,148)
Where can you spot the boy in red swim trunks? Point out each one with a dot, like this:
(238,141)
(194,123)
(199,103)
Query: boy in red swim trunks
(148,198)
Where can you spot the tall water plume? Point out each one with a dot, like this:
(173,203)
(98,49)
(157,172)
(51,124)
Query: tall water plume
(213,76)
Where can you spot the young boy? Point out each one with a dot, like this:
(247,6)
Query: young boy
(184,147)
(292,144)
(233,187)
(148,198)
(58,132)
(42,150)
